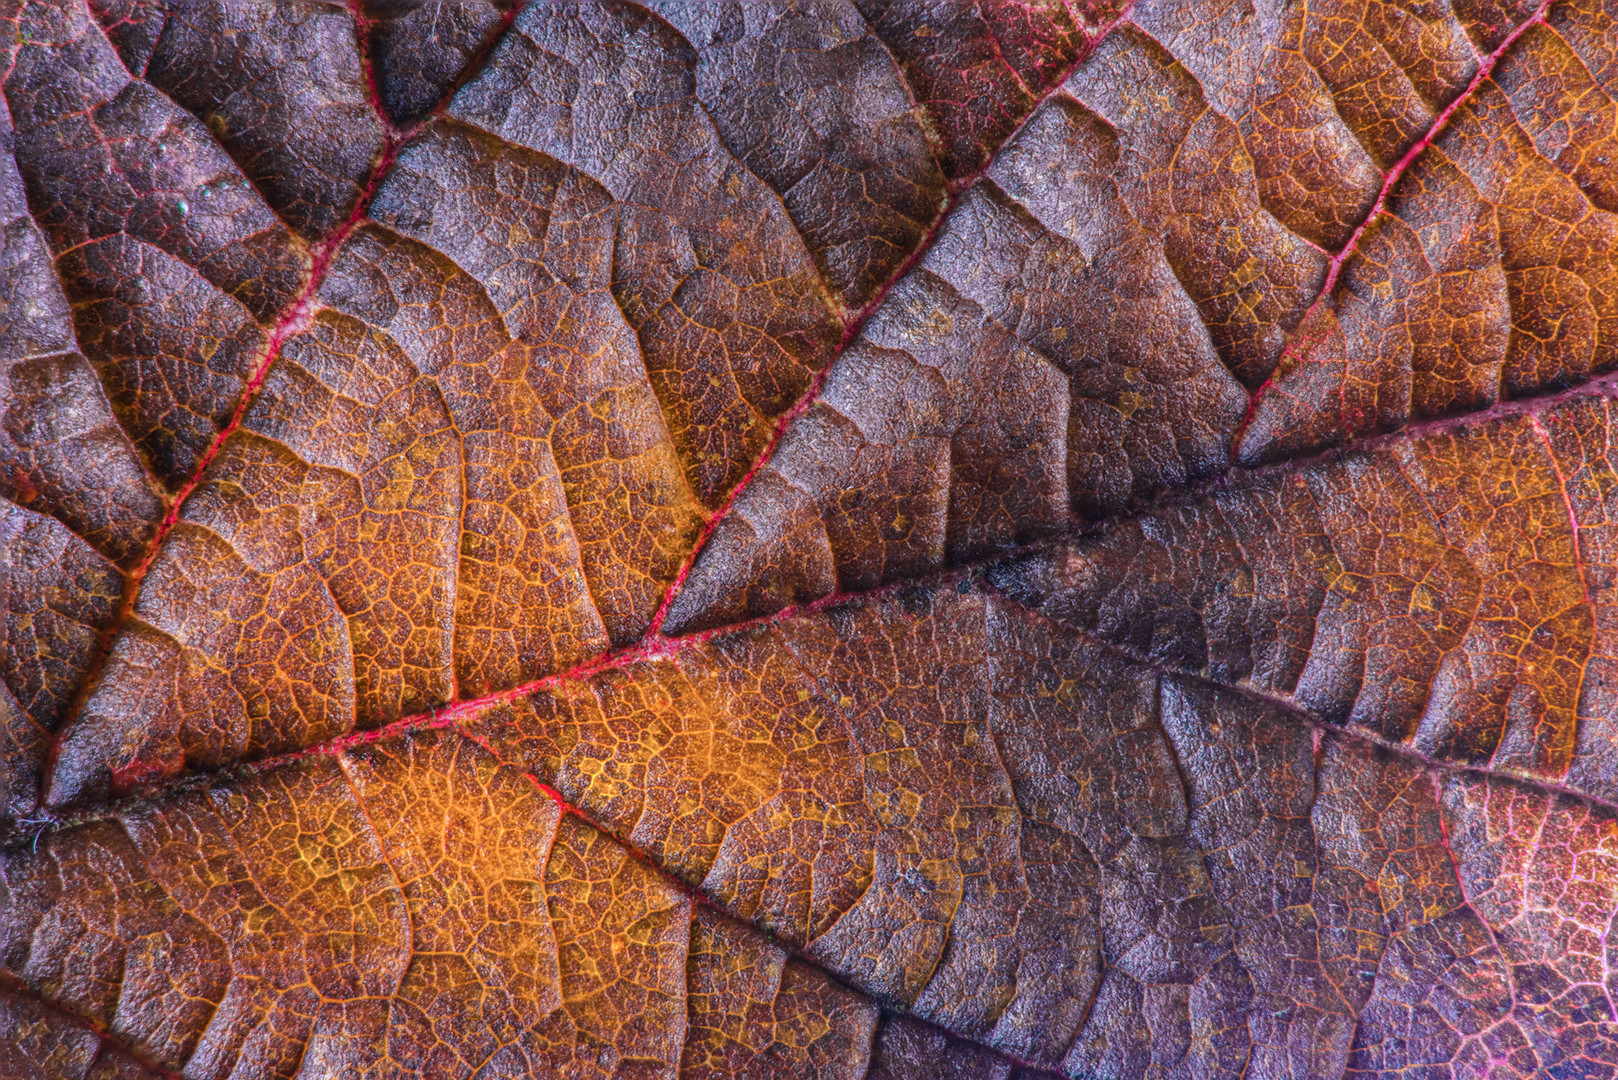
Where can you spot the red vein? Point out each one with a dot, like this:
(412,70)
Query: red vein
(362,41)
(1441,121)
(1543,401)
(701,898)
(854,322)
(653,643)
(1334,268)
(105,1037)
(453,714)
(1434,769)
(655,647)
(293,320)
(649,649)
(1354,732)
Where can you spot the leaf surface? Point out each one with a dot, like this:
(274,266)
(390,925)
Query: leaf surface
(871,540)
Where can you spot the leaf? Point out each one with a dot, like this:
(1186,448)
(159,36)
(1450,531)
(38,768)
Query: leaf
(794,540)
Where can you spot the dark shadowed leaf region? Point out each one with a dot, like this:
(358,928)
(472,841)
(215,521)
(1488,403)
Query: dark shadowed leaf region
(825,540)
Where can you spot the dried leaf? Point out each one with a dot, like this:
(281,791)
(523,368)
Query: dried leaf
(863,539)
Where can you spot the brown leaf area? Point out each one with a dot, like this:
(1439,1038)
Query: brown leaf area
(857,538)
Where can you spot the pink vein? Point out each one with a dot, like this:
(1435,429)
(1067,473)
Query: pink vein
(699,897)
(106,1039)
(650,649)
(373,89)
(1334,268)
(854,321)
(654,646)
(452,718)
(293,320)
(1485,69)
(296,317)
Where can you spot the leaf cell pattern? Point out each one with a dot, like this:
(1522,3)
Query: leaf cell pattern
(872,539)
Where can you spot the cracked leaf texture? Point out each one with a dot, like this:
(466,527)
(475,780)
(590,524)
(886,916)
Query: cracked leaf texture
(860,539)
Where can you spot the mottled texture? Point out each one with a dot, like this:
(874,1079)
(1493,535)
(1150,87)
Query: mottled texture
(414,908)
(726,540)
(1450,591)
(1184,229)
(1487,275)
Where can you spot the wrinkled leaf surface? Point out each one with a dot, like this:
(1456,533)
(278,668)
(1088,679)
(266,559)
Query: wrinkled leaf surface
(857,538)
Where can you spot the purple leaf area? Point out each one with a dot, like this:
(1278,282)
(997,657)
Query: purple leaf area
(864,539)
